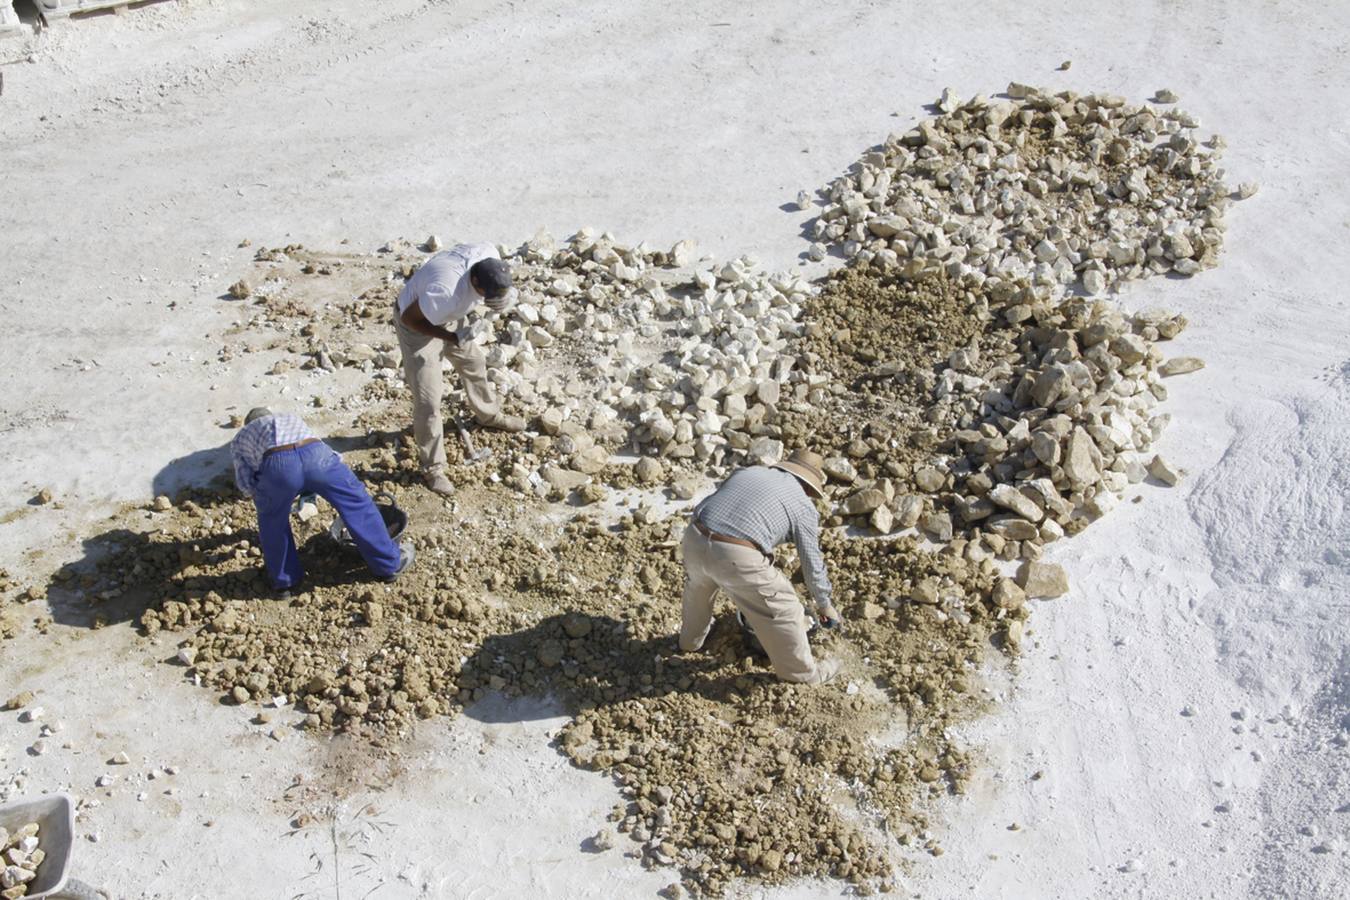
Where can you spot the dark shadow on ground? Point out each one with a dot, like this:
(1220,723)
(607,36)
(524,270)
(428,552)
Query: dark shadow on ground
(206,468)
(544,671)
(498,709)
(123,572)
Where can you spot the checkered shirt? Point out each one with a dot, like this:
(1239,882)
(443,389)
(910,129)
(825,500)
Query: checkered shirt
(256,438)
(769,507)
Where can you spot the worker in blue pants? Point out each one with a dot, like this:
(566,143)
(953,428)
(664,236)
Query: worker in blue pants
(276,459)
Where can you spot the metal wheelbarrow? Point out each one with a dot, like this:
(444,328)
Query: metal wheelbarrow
(55,818)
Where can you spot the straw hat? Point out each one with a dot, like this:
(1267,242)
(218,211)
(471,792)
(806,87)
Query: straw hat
(809,469)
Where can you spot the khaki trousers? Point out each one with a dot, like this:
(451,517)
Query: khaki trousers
(762,593)
(422,370)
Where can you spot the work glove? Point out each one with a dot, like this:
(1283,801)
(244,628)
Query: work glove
(504,303)
(828,616)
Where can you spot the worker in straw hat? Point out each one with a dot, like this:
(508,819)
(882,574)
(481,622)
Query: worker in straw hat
(729,545)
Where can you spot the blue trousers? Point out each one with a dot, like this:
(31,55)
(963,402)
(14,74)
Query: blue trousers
(315,469)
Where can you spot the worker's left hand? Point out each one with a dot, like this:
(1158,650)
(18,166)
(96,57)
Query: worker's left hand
(829,616)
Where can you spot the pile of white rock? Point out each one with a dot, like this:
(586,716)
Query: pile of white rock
(678,366)
(1053,187)
(21,859)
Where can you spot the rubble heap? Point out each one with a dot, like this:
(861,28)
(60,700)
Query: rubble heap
(1056,188)
(584,611)
(612,345)
(970,412)
(1024,422)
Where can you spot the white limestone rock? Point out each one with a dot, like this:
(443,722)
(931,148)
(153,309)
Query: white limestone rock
(1011,498)
(1160,469)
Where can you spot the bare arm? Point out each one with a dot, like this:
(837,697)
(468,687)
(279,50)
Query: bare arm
(417,321)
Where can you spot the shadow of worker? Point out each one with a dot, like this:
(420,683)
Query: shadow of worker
(202,554)
(207,468)
(576,660)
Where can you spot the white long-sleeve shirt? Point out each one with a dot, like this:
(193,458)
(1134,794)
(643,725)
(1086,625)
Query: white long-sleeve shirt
(441,286)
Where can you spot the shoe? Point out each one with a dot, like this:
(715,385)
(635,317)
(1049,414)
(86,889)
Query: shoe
(505,423)
(437,482)
(406,557)
(826,669)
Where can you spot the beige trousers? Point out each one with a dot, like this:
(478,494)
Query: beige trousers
(762,593)
(422,370)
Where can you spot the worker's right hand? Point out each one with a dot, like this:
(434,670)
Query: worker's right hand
(829,616)
(504,303)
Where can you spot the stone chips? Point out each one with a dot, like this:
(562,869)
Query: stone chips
(1057,188)
(994,415)
(20,859)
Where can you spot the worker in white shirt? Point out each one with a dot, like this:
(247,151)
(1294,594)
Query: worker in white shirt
(427,317)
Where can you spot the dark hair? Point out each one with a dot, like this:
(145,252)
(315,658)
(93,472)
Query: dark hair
(491,276)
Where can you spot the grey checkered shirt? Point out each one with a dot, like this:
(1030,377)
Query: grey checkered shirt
(256,438)
(769,507)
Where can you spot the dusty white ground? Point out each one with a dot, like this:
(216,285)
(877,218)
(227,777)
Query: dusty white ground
(1188,705)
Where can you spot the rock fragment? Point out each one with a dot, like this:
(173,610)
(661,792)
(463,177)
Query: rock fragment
(1181,365)
(1160,469)
(1043,580)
